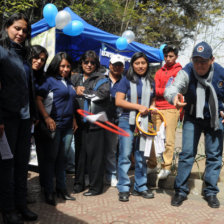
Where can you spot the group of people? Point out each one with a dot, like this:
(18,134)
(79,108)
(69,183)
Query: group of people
(49,101)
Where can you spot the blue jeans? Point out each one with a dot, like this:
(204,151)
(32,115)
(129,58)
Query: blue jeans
(55,159)
(110,146)
(192,130)
(124,162)
(70,155)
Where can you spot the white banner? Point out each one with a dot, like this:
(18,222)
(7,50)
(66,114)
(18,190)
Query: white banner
(47,40)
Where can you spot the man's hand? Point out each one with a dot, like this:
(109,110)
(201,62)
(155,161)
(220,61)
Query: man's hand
(178,101)
(1,130)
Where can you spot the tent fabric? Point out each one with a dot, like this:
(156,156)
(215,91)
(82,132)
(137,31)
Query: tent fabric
(92,38)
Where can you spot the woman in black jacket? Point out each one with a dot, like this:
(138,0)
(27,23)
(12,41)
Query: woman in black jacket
(17,113)
(89,138)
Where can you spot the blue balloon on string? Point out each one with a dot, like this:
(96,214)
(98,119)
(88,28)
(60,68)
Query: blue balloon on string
(121,43)
(49,12)
(161,51)
(74,28)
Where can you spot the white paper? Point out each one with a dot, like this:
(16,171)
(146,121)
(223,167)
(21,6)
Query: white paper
(159,140)
(5,150)
(97,117)
(148,146)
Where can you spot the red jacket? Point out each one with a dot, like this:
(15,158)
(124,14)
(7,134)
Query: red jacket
(161,78)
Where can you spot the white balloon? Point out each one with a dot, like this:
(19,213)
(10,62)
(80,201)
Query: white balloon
(129,35)
(62,19)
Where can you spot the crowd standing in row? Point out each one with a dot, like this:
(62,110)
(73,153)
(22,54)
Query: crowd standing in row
(50,101)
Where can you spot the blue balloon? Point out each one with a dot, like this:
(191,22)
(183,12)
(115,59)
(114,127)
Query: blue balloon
(50,11)
(74,28)
(161,51)
(121,43)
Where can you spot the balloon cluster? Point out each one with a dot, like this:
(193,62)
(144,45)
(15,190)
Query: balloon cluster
(127,37)
(62,20)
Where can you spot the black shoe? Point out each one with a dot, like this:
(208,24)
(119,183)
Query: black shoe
(145,194)
(178,199)
(64,194)
(213,201)
(11,218)
(50,199)
(124,196)
(90,193)
(77,189)
(27,214)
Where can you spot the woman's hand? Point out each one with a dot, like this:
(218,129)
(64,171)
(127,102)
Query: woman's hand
(80,90)
(222,115)
(153,109)
(143,110)
(75,126)
(2,127)
(50,123)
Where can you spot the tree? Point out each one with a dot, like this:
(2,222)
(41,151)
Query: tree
(154,22)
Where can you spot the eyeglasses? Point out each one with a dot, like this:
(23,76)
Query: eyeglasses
(91,62)
(200,61)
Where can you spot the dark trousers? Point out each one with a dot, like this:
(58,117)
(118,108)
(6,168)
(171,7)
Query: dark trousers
(40,142)
(91,155)
(54,159)
(13,172)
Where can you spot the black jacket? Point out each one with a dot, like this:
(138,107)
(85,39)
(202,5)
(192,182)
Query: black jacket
(103,92)
(14,90)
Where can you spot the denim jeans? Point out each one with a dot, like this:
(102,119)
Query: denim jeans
(55,159)
(70,156)
(124,163)
(192,130)
(110,146)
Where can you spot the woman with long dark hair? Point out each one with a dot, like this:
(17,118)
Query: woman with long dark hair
(55,100)
(135,93)
(38,60)
(17,113)
(93,91)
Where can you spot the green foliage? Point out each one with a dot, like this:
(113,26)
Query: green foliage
(154,22)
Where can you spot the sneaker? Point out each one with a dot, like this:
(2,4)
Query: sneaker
(151,170)
(113,183)
(163,174)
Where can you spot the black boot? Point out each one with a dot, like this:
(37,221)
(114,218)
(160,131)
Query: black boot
(64,194)
(27,214)
(11,218)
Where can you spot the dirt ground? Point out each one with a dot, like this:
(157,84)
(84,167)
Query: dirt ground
(199,164)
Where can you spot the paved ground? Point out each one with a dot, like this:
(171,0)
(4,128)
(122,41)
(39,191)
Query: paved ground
(106,208)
